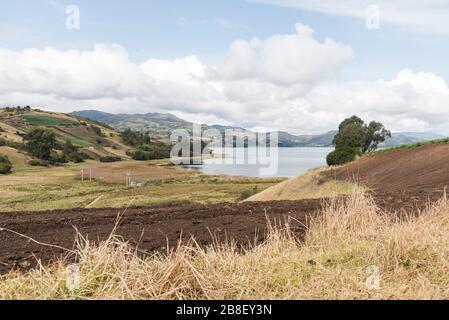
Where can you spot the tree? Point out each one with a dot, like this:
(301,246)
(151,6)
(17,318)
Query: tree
(374,135)
(354,138)
(351,132)
(39,142)
(134,138)
(71,153)
(69,147)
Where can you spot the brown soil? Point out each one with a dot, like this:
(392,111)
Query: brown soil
(150,229)
(407,179)
(403,178)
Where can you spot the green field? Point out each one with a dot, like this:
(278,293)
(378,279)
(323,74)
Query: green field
(45,120)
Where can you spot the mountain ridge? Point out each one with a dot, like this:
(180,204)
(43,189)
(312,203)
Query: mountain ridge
(160,126)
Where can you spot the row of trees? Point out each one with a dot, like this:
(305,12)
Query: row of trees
(355,138)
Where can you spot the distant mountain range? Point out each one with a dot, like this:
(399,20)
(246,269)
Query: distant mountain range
(160,125)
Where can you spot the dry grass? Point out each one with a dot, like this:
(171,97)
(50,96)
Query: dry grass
(35,188)
(17,159)
(331,263)
(310,185)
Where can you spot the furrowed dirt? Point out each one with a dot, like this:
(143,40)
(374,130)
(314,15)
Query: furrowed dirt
(149,229)
(408,179)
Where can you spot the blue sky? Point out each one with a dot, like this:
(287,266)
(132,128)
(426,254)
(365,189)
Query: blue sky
(176,28)
(409,38)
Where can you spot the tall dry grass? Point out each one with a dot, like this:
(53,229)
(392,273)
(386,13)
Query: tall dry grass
(345,241)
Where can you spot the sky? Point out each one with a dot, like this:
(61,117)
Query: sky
(297,65)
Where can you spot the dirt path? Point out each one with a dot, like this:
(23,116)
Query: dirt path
(151,229)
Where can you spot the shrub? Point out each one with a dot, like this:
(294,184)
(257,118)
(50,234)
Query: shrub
(154,151)
(2,142)
(110,159)
(72,154)
(342,155)
(5,165)
(38,163)
(249,193)
(97,130)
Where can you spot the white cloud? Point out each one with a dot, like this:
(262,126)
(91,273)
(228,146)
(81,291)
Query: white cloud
(286,59)
(430,16)
(274,83)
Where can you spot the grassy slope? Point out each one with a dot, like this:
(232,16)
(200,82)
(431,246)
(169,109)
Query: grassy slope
(307,186)
(312,186)
(67,127)
(17,159)
(414,145)
(352,251)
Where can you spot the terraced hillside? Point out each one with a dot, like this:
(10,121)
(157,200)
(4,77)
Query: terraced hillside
(93,138)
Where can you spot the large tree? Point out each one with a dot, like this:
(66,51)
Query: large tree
(39,142)
(354,133)
(351,133)
(354,137)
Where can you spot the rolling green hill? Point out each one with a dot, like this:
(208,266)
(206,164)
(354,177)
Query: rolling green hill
(92,137)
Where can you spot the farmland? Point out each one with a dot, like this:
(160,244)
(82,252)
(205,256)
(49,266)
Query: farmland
(30,188)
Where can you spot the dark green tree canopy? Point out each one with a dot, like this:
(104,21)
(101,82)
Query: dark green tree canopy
(375,133)
(354,137)
(135,138)
(354,133)
(351,133)
(39,142)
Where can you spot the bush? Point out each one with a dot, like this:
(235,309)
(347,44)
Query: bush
(109,159)
(248,193)
(152,152)
(38,163)
(5,165)
(2,142)
(342,155)
(72,154)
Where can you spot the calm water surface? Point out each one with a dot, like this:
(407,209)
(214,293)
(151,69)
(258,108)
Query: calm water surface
(292,162)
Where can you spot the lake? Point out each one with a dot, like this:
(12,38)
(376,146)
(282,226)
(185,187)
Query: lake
(291,162)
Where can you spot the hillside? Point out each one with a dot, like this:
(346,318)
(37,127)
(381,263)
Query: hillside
(418,169)
(93,138)
(160,126)
(409,178)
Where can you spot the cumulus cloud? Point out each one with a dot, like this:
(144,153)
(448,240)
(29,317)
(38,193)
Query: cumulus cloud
(430,15)
(285,59)
(273,83)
